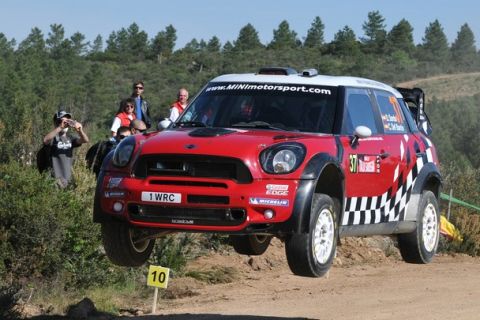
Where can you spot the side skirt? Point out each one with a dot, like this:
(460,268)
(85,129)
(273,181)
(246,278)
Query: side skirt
(377,229)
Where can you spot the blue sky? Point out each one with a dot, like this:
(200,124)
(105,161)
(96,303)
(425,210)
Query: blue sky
(224,18)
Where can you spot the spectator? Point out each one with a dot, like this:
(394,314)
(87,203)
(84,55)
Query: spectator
(124,116)
(137,126)
(141,105)
(177,107)
(62,145)
(99,150)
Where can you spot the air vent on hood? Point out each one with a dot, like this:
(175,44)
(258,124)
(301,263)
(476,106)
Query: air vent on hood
(210,132)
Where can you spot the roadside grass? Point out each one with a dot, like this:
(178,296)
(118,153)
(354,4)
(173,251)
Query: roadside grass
(215,276)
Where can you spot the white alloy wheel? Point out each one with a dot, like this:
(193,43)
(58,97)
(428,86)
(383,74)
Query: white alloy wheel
(429,227)
(138,244)
(324,236)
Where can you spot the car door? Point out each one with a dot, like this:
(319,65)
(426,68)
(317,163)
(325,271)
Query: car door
(370,163)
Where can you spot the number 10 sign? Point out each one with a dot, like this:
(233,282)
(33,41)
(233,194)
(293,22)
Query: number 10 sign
(158,276)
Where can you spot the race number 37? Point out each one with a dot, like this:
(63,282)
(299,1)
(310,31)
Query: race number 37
(158,276)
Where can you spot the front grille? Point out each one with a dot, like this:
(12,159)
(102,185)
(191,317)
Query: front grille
(198,166)
(208,199)
(187,216)
(203,184)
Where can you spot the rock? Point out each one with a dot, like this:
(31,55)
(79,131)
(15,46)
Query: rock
(81,310)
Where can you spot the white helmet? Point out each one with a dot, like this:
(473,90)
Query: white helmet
(164,124)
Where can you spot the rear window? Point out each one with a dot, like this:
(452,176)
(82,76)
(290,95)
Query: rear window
(284,106)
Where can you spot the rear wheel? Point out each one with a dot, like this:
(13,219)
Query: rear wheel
(252,244)
(311,254)
(126,246)
(420,245)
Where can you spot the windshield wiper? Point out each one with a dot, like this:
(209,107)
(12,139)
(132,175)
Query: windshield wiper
(257,124)
(192,124)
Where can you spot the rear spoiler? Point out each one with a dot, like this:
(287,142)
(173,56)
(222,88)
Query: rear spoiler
(415,99)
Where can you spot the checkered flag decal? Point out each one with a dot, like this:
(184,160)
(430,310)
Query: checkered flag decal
(391,205)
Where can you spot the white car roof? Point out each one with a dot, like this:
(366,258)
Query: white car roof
(296,79)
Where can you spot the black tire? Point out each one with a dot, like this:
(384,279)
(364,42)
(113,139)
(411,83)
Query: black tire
(252,244)
(119,241)
(420,245)
(303,256)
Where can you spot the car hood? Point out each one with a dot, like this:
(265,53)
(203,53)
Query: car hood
(237,143)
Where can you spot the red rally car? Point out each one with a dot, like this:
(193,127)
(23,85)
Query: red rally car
(303,157)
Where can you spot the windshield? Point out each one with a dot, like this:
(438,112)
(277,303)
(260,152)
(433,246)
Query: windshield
(265,106)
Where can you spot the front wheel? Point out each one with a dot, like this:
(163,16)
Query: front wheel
(420,245)
(126,246)
(311,254)
(252,244)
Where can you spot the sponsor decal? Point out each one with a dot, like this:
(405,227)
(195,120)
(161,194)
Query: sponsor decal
(364,163)
(269,202)
(114,194)
(270,87)
(182,221)
(277,189)
(114,182)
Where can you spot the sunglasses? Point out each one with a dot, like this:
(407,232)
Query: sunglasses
(140,130)
(139,88)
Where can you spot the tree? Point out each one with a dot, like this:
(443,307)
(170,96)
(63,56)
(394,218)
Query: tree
(463,48)
(164,42)
(434,48)
(283,37)
(97,45)
(247,39)
(6,46)
(345,42)
(401,38)
(214,45)
(314,37)
(79,47)
(374,29)
(137,43)
(33,43)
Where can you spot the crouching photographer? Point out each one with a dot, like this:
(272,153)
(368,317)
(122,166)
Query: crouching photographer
(61,145)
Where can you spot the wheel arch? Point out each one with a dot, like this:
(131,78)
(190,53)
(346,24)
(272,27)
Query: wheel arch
(322,174)
(428,178)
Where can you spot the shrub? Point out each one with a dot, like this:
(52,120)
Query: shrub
(47,233)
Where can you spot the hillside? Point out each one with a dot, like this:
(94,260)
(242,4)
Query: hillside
(448,86)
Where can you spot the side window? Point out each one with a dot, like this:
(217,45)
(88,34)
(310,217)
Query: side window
(393,120)
(359,111)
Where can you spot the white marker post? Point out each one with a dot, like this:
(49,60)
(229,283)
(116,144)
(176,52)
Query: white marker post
(158,278)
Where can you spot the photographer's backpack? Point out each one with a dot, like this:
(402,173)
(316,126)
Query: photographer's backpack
(44,158)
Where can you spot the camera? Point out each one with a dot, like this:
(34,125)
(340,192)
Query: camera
(70,122)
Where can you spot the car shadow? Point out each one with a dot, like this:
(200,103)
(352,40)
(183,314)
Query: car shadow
(185,316)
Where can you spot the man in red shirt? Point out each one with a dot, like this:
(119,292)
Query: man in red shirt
(177,108)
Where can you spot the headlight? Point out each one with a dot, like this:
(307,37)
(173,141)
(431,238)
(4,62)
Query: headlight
(123,152)
(282,158)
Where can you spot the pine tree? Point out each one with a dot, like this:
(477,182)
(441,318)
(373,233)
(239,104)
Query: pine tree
(247,39)
(464,53)
(164,42)
(374,29)
(345,42)
(283,37)
(434,48)
(401,38)
(314,37)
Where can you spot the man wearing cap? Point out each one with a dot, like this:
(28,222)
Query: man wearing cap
(62,145)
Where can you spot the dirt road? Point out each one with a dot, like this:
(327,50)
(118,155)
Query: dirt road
(375,288)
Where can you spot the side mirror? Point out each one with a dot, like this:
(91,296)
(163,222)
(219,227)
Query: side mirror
(164,124)
(360,133)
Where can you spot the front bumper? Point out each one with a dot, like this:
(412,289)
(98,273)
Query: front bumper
(195,204)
